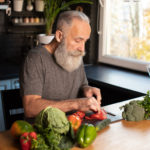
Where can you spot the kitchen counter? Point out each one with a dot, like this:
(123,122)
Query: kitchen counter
(118,78)
(120,135)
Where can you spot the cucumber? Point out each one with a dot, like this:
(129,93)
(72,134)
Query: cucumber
(102,124)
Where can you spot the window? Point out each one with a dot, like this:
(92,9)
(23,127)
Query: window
(124,36)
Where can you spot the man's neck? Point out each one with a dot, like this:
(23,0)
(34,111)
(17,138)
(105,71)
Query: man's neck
(51,47)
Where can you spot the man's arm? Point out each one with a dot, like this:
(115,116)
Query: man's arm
(33,104)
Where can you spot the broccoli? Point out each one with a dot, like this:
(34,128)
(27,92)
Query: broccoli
(133,111)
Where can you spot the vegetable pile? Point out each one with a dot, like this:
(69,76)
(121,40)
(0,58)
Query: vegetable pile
(137,110)
(53,130)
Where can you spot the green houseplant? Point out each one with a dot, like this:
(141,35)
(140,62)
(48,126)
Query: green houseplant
(52,9)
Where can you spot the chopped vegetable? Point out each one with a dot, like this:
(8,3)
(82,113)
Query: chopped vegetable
(98,116)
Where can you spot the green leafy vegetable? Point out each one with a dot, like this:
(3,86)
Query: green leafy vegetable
(54,119)
(54,131)
(146,105)
(133,111)
(39,144)
(137,110)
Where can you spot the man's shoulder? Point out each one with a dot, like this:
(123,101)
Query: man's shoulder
(37,52)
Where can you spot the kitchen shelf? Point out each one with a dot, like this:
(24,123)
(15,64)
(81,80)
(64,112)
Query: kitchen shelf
(28,24)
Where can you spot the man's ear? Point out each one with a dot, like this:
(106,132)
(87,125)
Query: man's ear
(58,35)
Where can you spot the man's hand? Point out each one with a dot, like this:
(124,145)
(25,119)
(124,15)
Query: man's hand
(92,91)
(86,104)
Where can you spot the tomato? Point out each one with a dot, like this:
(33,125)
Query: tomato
(25,140)
(33,135)
(75,121)
(98,116)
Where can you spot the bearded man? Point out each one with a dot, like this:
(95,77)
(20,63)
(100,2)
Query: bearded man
(53,74)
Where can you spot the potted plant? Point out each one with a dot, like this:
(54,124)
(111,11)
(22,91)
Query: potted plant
(52,9)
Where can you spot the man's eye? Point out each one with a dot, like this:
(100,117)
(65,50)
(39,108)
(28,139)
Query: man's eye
(77,41)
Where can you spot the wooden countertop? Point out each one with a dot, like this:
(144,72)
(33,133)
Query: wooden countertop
(123,135)
(120,135)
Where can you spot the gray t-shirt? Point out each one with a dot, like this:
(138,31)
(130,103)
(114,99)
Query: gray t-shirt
(41,75)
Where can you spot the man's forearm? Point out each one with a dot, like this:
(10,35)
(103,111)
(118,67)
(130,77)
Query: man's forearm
(34,106)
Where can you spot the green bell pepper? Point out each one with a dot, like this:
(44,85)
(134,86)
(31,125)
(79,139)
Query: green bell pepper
(86,135)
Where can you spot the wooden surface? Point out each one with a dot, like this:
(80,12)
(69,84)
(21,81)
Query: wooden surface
(7,142)
(123,135)
(120,135)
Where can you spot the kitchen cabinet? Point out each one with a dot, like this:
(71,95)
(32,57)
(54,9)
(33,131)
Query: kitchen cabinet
(6,85)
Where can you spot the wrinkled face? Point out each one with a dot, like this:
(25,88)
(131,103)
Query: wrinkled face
(77,35)
(71,49)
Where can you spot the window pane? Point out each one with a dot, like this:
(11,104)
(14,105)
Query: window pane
(128,32)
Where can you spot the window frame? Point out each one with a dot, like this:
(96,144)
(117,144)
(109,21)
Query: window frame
(129,63)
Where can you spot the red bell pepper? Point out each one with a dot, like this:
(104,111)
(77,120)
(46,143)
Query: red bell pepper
(81,114)
(98,116)
(75,121)
(25,140)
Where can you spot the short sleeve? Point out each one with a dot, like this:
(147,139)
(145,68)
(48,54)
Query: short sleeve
(31,80)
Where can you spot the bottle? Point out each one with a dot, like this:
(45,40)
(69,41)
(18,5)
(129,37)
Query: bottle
(29,6)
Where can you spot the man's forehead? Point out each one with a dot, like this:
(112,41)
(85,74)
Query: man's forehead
(80,29)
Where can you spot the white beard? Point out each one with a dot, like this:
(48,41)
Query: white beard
(69,60)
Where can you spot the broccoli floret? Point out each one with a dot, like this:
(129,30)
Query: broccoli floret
(133,111)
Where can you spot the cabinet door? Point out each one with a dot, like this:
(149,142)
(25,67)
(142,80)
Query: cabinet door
(15,83)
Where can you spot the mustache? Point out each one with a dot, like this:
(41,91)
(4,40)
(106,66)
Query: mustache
(76,53)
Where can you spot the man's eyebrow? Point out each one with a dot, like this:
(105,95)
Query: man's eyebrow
(81,38)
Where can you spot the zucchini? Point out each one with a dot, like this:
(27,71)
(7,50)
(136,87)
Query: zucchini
(102,124)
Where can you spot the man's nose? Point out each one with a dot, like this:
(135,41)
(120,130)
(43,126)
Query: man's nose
(82,47)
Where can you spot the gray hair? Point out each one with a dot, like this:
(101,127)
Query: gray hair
(66,18)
